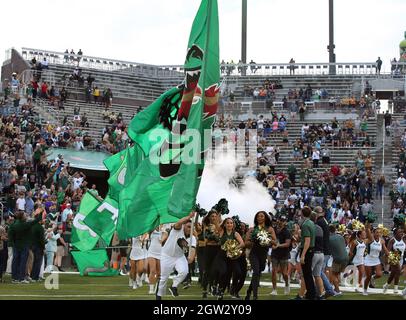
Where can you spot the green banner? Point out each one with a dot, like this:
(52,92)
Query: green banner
(103,220)
(83,237)
(93,263)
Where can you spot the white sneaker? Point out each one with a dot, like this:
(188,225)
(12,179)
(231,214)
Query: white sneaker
(274,293)
(151,289)
(130,282)
(365,293)
(139,282)
(385,288)
(396,290)
(404,294)
(287,290)
(135,286)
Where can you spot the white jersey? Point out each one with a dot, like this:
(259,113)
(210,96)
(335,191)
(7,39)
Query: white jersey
(358,258)
(155,247)
(400,246)
(372,259)
(137,249)
(171,247)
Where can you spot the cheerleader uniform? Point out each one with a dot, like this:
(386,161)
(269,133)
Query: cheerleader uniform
(211,251)
(154,250)
(358,258)
(400,246)
(293,255)
(137,250)
(224,264)
(257,257)
(372,258)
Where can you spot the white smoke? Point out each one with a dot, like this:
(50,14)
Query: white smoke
(244,202)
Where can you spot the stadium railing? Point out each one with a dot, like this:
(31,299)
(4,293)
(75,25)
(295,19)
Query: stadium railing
(234,69)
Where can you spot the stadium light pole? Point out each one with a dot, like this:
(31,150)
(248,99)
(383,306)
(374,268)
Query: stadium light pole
(331,45)
(244,36)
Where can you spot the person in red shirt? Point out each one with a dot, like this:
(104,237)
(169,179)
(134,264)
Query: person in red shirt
(44,90)
(335,170)
(35,87)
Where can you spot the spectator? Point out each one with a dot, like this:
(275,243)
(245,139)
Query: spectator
(37,246)
(18,240)
(378,65)
(44,64)
(292,66)
(96,94)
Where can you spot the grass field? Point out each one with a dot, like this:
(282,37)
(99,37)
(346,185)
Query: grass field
(75,287)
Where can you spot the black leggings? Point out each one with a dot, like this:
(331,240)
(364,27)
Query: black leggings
(224,267)
(209,257)
(201,261)
(238,282)
(258,261)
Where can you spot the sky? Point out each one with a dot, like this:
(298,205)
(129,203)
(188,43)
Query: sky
(156,31)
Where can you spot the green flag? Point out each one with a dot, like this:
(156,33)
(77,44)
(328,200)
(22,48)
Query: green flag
(103,219)
(93,263)
(163,186)
(83,237)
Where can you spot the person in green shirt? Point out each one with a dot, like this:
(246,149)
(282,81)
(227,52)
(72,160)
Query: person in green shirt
(307,241)
(19,239)
(94,191)
(60,195)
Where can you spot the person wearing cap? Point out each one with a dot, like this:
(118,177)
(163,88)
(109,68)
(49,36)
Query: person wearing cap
(67,213)
(280,254)
(322,222)
(318,258)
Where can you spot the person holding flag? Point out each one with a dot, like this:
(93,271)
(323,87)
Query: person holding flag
(173,255)
(156,180)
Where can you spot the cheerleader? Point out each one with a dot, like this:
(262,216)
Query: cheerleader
(153,258)
(258,253)
(211,228)
(293,267)
(396,244)
(137,256)
(357,254)
(224,263)
(238,283)
(375,245)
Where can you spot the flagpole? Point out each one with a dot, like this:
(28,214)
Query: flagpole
(191,233)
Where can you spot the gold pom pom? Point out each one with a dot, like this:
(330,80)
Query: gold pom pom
(232,249)
(357,225)
(394,258)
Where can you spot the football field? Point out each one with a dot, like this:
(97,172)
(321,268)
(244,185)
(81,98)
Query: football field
(74,287)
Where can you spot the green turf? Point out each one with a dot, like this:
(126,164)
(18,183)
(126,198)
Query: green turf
(75,287)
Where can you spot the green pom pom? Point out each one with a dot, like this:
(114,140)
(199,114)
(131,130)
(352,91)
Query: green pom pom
(371,217)
(399,219)
(222,207)
(200,211)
